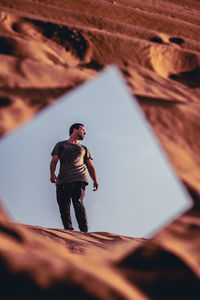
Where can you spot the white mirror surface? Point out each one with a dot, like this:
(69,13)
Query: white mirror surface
(139,192)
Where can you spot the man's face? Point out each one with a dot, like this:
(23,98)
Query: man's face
(81,132)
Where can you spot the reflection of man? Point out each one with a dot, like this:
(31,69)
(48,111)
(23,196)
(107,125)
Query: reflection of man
(72,177)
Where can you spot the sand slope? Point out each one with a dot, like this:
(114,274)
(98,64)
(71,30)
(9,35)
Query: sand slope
(43,263)
(48,47)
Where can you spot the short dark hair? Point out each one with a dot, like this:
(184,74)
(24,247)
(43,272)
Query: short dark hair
(74,126)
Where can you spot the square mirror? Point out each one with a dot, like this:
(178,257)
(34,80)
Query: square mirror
(138,193)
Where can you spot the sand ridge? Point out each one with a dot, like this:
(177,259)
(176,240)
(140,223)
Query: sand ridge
(159,59)
(43,262)
(156,46)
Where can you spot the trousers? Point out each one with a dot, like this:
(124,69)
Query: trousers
(75,192)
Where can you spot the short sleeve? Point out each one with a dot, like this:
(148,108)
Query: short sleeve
(87,154)
(56,150)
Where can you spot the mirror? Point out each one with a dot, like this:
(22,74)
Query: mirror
(139,192)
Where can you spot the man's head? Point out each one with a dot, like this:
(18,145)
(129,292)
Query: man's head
(78,130)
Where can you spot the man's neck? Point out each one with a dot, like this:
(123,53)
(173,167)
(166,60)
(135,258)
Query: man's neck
(73,141)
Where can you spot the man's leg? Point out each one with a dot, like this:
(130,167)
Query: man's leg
(64,202)
(78,193)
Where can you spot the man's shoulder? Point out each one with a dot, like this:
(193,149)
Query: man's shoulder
(61,145)
(57,148)
(87,153)
(62,142)
(83,146)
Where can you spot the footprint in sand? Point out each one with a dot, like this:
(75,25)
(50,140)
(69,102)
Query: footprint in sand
(164,39)
(5,101)
(156,39)
(176,40)
(176,64)
(7,46)
(49,42)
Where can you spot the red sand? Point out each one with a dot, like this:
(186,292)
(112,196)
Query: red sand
(48,47)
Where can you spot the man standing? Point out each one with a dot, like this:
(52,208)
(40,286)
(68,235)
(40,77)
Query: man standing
(72,178)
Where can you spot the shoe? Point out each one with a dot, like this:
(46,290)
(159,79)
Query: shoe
(69,228)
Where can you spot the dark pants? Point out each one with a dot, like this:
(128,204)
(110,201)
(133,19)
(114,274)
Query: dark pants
(74,191)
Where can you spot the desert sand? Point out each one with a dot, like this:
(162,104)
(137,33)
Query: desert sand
(49,47)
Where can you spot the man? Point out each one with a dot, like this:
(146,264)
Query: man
(72,178)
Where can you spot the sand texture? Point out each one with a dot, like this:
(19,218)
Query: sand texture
(41,263)
(49,47)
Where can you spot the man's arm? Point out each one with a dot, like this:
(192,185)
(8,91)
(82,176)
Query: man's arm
(53,164)
(92,173)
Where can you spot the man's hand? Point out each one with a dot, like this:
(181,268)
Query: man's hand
(95,186)
(53,178)
(92,173)
(53,164)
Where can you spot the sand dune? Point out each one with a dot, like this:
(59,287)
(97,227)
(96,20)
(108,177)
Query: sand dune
(49,47)
(41,262)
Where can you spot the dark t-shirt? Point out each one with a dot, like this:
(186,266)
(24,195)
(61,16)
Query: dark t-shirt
(72,162)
